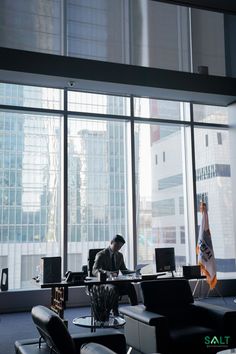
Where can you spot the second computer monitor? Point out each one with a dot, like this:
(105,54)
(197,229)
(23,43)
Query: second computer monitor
(165,259)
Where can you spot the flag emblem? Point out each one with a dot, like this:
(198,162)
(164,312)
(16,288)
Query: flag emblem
(206,257)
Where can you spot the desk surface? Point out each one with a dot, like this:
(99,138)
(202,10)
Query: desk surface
(120,279)
(93,281)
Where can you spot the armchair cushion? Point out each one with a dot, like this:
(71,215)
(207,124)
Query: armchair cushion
(31,346)
(189,337)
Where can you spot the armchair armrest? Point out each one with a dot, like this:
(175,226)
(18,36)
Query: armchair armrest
(145,331)
(219,317)
(140,313)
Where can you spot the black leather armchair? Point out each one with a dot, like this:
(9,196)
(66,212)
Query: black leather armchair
(170,322)
(55,337)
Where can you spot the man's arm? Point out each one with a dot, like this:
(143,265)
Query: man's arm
(122,263)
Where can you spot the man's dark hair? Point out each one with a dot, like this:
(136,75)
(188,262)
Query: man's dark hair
(118,238)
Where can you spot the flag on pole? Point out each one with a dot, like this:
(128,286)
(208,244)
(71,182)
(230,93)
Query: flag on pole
(206,257)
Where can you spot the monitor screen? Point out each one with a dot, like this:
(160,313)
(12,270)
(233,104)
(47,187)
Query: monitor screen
(165,259)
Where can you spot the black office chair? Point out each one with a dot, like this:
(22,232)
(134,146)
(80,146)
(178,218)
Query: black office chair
(88,268)
(91,259)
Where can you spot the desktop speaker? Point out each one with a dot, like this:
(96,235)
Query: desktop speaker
(51,268)
(192,272)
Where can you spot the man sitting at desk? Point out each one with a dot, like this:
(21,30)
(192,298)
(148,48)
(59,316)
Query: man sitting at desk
(111,260)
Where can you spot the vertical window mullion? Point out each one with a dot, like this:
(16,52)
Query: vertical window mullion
(64,183)
(194,172)
(133,182)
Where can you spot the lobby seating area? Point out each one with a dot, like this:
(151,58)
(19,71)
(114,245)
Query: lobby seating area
(168,321)
(19,326)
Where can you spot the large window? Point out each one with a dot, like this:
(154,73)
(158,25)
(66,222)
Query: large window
(160,185)
(116,163)
(214,185)
(97,185)
(29,189)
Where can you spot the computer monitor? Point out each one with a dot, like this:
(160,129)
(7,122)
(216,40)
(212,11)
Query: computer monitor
(165,259)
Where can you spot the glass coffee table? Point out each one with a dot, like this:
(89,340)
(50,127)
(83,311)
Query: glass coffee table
(89,322)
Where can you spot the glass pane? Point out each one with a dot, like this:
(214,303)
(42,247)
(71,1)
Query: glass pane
(97,29)
(161,200)
(214,186)
(137,32)
(210,114)
(31,96)
(97,186)
(31,25)
(159,35)
(29,193)
(208,41)
(97,103)
(152,108)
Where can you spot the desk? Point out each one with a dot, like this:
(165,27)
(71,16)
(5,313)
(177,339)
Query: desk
(59,291)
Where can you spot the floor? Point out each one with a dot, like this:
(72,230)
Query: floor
(17,326)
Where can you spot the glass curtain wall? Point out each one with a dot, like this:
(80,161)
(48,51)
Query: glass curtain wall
(160,194)
(161,187)
(30,188)
(98,171)
(100,157)
(214,183)
(137,32)
(97,186)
